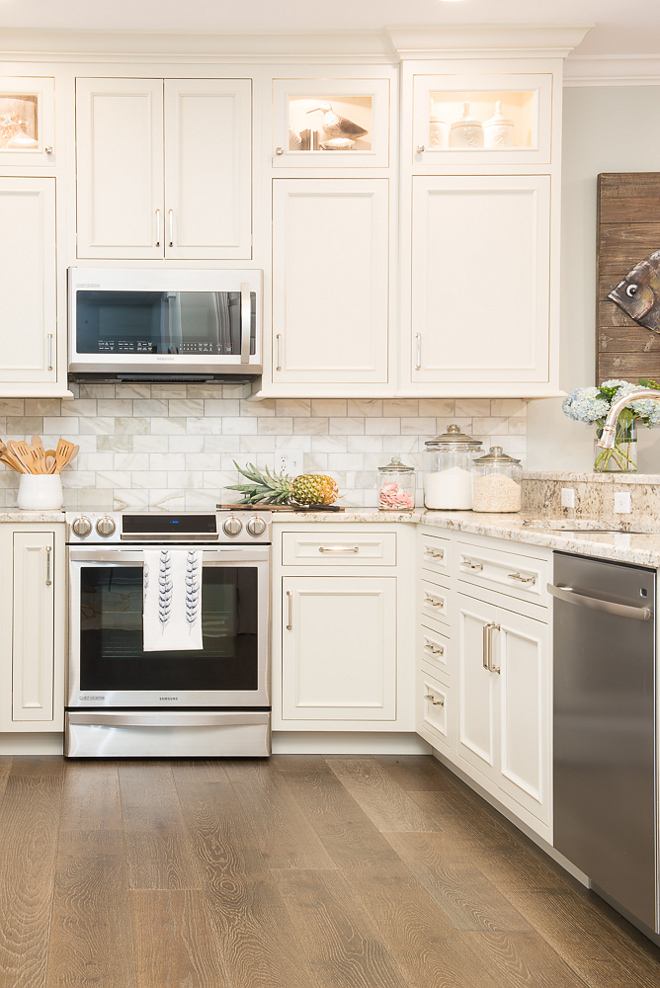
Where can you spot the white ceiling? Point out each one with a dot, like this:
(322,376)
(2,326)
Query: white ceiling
(620,28)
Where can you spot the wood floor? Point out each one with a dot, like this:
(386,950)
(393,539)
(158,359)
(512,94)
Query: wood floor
(293,872)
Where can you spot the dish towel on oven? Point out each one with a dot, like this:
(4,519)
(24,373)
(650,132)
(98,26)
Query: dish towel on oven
(172,600)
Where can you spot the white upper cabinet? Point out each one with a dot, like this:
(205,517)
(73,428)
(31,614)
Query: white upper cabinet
(330,281)
(164,168)
(27,122)
(28,329)
(331,123)
(480,280)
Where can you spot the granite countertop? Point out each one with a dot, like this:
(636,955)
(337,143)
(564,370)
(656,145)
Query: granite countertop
(15,516)
(642,548)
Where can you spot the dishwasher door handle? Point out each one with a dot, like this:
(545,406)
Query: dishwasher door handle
(571,596)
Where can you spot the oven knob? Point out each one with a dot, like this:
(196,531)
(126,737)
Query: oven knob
(256,526)
(232,526)
(81,526)
(105,526)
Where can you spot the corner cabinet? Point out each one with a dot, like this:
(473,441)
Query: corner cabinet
(163,168)
(341,629)
(29,304)
(32,631)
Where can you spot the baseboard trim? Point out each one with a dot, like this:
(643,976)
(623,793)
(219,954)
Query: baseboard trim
(348,743)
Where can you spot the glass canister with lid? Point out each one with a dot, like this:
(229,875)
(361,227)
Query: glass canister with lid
(447,477)
(496,482)
(396,486)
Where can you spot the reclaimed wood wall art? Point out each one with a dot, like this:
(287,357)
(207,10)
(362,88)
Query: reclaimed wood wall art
(628,232)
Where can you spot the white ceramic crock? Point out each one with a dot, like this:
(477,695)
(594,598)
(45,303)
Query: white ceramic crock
(40,492)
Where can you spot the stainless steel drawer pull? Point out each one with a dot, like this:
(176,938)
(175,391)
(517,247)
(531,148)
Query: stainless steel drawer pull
(471,565)
(434,649)
(491,666)
(158,228)
(339,548)
(278,365)
(170,216)
(289,601)
(434,553)
(485,647)
(418,346)
(436,703)
(50,351)
(49,570)
(522,579)
(433,601)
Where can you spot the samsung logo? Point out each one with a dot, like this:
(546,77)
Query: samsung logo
(92,697)
(168,698)
(90,285)
(167,360)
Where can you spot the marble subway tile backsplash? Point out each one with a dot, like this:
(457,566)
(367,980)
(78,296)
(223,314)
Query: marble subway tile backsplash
(173,445)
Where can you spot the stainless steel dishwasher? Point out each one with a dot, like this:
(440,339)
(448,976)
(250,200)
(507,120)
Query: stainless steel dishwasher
(605,747)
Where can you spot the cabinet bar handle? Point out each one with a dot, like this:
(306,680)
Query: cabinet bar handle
(289,602)
(49,575)
(436,703)
(279,352)
(434,553)
(471,565)
(246,320)
(339,548)
(522,579)
(433,601)
(434,649)
(170,219)
(158,228)
(418,351)
(50,351)
(491,666)
(485,647)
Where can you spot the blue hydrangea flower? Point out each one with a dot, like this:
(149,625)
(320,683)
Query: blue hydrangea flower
(586,405)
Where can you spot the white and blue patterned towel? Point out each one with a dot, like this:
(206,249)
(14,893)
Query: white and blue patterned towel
(172,599)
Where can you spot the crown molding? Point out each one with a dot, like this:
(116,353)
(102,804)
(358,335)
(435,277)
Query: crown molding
(612,70)
(488,39)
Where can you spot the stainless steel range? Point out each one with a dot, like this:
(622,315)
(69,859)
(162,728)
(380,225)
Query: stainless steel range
(169,635)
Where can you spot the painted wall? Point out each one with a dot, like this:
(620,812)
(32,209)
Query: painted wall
(606,129)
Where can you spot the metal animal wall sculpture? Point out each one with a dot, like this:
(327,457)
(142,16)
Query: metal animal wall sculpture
(639,293)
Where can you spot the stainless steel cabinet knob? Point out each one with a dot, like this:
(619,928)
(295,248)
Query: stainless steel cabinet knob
(232,526)
(48,150)
(420,149)
(279,150)
(105,526)
(256,526)
(81,526)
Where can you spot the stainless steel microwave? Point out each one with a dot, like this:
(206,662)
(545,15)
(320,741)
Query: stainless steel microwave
(157,325)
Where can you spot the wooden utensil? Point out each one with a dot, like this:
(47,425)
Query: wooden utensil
(11,461)
(62,454)
(37,459)
(37,441)
(19,450)
(51,459)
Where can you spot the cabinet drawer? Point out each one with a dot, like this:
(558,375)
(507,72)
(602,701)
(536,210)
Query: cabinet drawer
(434,714)
(434,603)
(515,574)
(435,650)
(339,549)
(435,553)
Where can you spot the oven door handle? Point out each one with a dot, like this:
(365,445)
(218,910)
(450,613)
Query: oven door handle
(218,556)
(164,718)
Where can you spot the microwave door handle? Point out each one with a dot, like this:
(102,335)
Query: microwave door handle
(246,319)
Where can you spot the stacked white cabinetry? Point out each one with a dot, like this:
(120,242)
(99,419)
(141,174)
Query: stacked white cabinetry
(164,168)
(343,628)
(32,630)
(436,713)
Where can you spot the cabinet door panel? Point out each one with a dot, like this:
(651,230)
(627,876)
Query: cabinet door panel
(524,709)
(208,168)
(119,138)
(339,648)
(33,644)
(330,280)
(477,712)
(27,261)
(480,279)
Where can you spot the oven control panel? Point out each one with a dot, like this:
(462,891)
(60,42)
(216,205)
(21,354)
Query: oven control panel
(226,526)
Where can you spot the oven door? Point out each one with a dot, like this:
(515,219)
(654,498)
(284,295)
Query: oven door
(108,666)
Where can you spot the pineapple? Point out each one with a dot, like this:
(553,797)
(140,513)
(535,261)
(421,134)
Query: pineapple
(279,488)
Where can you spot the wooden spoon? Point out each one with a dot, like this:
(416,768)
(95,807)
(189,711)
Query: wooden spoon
(37,441)
(20,452)
(38,459)
(51,460)
(62,454)
(10,460)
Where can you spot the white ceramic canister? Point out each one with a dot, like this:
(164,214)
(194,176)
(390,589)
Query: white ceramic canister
(499,132)
(40,492)
(448,470)
(466,132)
(438,129)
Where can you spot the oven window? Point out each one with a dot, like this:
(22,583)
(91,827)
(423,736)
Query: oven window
(111,655)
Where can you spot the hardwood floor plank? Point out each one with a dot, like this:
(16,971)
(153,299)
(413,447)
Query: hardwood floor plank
(175,942)
(335,935)
(417,934)
(162,860)
(285,835)
(461,891)
(92,937)
(29,818)
(349,836)
(149,799)
(520,960)
(593,940)
(5,770)
(90,797)
(455,815)
(418,772)
(386,804)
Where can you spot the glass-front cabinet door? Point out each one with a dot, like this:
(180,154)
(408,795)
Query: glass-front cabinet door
(26,121)
(331,123)
(494,119)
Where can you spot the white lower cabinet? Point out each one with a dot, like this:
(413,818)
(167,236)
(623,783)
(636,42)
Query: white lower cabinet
(32,630)
(503,737)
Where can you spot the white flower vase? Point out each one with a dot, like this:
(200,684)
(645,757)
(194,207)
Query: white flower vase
(40,492)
